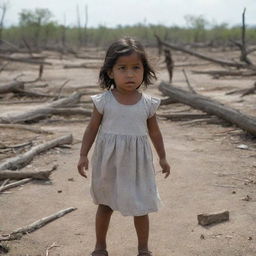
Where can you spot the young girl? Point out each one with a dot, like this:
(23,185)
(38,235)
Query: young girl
(123,176)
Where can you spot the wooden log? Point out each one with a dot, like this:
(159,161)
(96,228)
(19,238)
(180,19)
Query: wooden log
(12,87)
(212,107)
(204,57)
(188,83)
(71,111)
(24,60)
(185,116)
(32,93)
(20,145)
(213,218)
(244,92)
(225,72)
(22,160)
(168,101)
(41,175)
(25,127)
(40,112)
(17,234)
(15,184)
(249,91)
(84,65)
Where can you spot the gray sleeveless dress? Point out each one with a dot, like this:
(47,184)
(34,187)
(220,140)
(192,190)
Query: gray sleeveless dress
(123,175)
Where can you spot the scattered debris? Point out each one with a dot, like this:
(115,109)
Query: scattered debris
(202,237)
(4,248)
(50,247)
(243,146)
(247,198)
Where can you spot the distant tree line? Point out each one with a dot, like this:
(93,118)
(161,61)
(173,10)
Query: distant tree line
(37,29)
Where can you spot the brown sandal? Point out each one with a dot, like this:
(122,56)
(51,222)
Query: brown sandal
(97,252)
(145,253)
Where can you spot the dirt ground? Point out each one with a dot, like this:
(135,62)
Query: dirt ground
(210,171)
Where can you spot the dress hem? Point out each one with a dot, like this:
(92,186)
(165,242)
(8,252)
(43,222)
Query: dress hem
(142,213)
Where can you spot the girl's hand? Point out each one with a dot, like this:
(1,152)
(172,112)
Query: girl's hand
(83,165)
(165,167)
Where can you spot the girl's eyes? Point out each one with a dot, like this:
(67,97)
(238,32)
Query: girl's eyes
(135,68)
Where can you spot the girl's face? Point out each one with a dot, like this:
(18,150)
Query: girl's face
(127,72)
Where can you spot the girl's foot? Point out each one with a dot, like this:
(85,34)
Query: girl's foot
(145,253)
(99,253)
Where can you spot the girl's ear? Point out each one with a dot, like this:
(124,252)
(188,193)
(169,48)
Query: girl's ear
(110,74)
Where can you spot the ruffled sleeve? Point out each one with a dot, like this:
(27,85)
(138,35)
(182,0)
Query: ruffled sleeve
(154,104)
(99,102)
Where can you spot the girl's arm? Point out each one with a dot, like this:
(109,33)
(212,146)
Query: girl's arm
(88,139)
(157,140)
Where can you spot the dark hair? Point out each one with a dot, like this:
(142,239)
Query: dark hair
(124,47)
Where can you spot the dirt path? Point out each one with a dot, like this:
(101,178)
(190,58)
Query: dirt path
(200,159)
(209,173)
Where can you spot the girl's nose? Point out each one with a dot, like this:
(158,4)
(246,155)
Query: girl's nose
(130,73)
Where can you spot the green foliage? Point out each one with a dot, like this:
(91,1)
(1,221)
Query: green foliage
(36,25)
(39,30)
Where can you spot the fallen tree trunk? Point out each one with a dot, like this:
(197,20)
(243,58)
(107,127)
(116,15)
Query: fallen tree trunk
(218,73)
(40,112)
(15,184)
(12,87)
(22,160)
(84,65)
(25,127)
(17,234)
(31,93)
(201,56)
(25,60)
(71,111)
(244,92)
(168,101)
(181,117)
(212,107)
(41,175)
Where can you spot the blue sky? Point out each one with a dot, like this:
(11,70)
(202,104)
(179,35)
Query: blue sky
(113,12)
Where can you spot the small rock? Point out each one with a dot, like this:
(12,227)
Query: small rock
(247,198)
(234,192)
(71,179)
(243,146)
(59,191)
(249,238)
(202,237)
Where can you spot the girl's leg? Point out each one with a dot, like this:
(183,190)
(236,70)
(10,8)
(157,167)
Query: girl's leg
(141,224)
(103,216)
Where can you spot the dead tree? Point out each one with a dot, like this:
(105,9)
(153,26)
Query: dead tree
(4,8)
(169,63)
(80,36)
(212,107)
(242,45)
